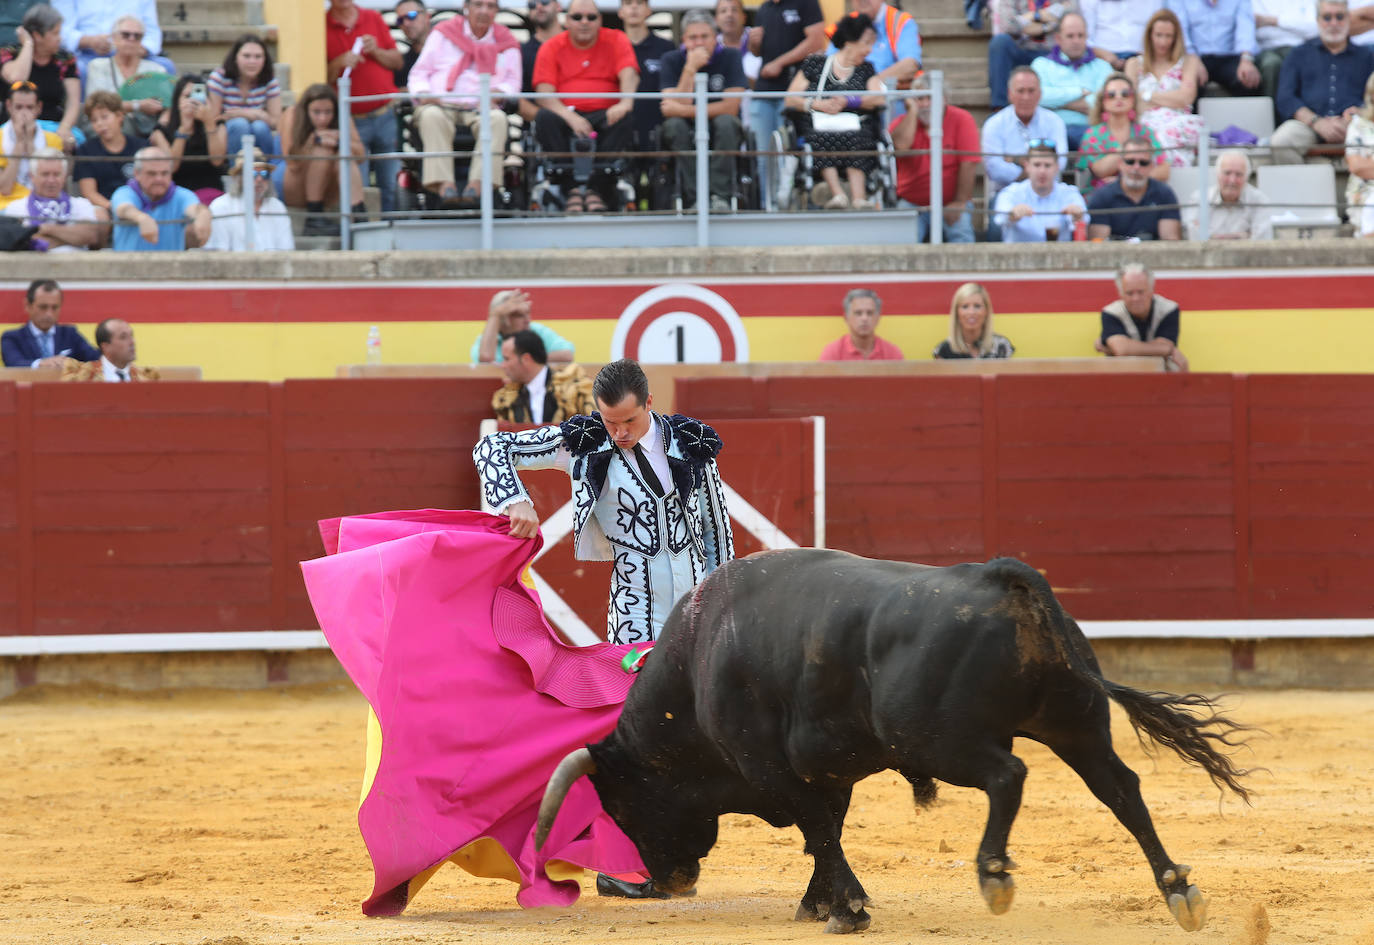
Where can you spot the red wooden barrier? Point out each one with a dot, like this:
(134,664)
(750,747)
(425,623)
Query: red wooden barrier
(1141,496)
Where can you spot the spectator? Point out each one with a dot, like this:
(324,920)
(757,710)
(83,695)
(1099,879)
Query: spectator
(508,313)
(862,309)
(272,225)
(117,351)
(959,165)
(39,59)
(89,24)
(413,19)
(1022,30)
(785,32)
(20,137)
(1140,323)
(1237,211)
(733,33)
(1321,86)
(650,48)
(1040,208)
(196,144)
(1113,124)
(459,50)
(1135,206)
(970,327)
(1280,25)
(110,73)
(534,392)
(157,215)
(245,95)
(65,223)
(1222,34)
(1359,158)
(109,151)
(725,72)
(1116,28)
(896,52)
(42,342)
(849,73)
(599,64)
(1166,78)
(311,148)
(1070,76)
(372,71)
(1007,135)
(543,16)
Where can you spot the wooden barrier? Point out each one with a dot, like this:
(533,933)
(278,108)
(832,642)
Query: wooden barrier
(43,375)
(1144,497)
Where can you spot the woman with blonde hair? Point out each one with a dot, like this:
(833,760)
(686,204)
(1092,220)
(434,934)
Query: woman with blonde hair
(1359,158)
(970,327)
(1113,123)
(1166,75)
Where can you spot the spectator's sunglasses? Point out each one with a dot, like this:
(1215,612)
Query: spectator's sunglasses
(579,17)
(130,36)
(1043,143)
(1332,17)
(23,85)
(410,15)
(1119,93)
(1136,162)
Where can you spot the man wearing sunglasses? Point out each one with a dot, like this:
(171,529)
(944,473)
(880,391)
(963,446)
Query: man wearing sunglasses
(1135,205)
(544,18)
(413,19)
(582,76)
(87,26)
(1321,86)
(272,226)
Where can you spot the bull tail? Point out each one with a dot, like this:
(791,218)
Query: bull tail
(1191,725)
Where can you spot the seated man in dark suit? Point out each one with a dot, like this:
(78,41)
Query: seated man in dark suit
(1135,205)
(537,393)
(42,342)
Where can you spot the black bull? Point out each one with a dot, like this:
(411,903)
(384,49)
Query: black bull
(787,676)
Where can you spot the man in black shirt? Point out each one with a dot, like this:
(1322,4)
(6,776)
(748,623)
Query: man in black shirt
(1135,205)
(543,16)
(785,32)
(724,71)
(413,19)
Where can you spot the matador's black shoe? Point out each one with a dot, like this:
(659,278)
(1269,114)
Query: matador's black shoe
(610,886)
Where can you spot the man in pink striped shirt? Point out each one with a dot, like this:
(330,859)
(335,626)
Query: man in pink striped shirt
(445,81)
(862,309)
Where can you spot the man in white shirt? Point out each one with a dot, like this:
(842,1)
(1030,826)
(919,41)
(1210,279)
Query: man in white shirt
(1009,133)
(1279,26)
(271,224)
(1040,208)
(445,81)
(117,351)
(1116,28)
(66,224)
(1238,210)
(536,392)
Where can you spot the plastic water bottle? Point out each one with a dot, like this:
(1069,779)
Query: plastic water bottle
(374,345)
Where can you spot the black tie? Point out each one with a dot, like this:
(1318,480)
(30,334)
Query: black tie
(647,469)
(123,375)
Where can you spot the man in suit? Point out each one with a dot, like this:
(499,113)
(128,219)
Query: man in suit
(537,393)
(116,340)
(42,342)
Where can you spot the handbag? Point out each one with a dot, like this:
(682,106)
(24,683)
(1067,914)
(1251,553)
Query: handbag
(826,122)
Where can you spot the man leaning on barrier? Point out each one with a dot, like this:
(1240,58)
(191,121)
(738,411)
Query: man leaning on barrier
(457,53)
(724,73)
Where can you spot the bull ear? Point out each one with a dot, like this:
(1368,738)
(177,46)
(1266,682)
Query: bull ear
(576,764)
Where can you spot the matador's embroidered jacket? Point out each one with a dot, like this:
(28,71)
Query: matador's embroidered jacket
(662,547)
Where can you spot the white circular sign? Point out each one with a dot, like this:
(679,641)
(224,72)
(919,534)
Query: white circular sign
(680,323)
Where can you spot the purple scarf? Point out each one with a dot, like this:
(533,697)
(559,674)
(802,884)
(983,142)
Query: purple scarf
(50,209)
(146,203)
(1057,55)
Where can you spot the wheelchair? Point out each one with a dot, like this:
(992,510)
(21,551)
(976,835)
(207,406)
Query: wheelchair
(616,181)
(793,167)
(667,185)
(511,193)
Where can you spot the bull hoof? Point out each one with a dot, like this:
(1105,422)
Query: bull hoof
(812,912)
(998,891)
(1189,909)
(843,924)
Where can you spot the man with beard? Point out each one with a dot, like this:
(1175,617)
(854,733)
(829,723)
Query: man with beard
(1135,205)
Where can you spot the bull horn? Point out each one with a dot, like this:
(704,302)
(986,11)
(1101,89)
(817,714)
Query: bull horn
(576,764)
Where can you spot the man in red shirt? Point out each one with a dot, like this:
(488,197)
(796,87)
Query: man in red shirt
(371,71)
(862,309)
(599,66)
(960,134)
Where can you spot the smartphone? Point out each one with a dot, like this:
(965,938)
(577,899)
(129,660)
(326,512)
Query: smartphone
(198,92)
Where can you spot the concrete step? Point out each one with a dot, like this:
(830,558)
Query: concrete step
(200,44)
(178,13)
(933,10)
(945,38)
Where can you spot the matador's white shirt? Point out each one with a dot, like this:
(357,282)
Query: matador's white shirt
(662,546)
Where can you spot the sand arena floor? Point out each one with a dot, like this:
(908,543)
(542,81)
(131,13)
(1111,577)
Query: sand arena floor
(228,818)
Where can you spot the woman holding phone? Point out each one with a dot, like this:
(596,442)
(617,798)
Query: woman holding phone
(310,143)
(197,145)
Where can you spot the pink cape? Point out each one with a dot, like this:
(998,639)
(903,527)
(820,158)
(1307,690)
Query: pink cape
(477,699)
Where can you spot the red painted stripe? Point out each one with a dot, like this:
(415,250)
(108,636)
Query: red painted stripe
(777,298)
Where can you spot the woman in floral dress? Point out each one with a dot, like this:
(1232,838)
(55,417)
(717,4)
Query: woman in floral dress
(1166,80)
(1113,124)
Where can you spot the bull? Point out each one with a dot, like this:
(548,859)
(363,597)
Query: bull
(787,676)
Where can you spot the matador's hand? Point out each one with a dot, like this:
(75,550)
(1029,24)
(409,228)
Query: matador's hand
(524,523)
